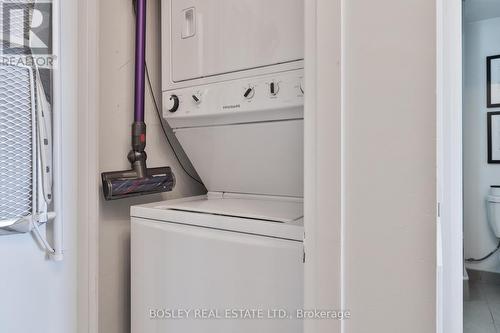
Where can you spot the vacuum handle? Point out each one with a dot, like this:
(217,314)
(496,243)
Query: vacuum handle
(140,60)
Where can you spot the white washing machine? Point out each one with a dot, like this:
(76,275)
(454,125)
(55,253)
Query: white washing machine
(218,263)
(231,260)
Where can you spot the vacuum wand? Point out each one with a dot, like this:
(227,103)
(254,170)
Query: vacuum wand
(139,180)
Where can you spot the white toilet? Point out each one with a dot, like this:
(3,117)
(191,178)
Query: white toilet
(494,209)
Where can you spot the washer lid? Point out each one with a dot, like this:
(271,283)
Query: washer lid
(249,207)
(259,215)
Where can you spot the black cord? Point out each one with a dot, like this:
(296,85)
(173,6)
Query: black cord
(158,113)
(163,126)
(485,257)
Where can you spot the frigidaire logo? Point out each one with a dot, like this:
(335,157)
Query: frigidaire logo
(233,106)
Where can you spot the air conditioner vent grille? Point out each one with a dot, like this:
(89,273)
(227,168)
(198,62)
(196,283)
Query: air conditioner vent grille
(16,143)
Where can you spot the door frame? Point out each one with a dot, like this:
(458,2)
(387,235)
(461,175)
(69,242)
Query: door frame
(88,161)
(323,184)
(449,289)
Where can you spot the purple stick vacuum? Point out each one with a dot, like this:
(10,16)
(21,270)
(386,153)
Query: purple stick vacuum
(139,180)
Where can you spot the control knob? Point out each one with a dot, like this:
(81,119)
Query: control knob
(196,98)
(274,88)
(249,92)
(173,103)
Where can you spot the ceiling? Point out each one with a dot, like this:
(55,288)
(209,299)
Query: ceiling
(476,10)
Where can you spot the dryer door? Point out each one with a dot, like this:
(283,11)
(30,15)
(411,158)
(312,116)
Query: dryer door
(222,36)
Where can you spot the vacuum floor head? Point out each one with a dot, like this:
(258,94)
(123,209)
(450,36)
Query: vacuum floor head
(140,180)
(124,184)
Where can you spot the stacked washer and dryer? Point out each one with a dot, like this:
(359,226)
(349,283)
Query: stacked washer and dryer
(230,260)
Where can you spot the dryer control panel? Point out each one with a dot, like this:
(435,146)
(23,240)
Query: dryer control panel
(277,96)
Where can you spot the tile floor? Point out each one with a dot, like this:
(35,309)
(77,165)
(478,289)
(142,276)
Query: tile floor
(482,307)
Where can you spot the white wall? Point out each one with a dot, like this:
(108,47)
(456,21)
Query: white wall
(38,295)
(481,39)
(116,57)
(389,69)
